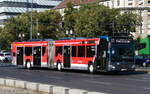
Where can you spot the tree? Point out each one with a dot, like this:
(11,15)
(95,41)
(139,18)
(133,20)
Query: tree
(92,19)
(69,19)
(127,22)
(49,24)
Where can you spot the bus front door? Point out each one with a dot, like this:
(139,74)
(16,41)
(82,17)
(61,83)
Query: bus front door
(19,55)
(37,56)
(66,57)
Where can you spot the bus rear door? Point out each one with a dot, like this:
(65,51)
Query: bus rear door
(37,56)
(20,56)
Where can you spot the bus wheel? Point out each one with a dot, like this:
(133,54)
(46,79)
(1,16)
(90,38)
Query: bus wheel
(59,66)
(91,68)
(28,65)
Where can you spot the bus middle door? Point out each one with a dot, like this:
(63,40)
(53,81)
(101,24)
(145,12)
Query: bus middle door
(37,56)
(66,56)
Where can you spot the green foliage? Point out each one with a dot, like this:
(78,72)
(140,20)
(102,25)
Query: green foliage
(49,24)
(92,20)
(69,18)
(46,23)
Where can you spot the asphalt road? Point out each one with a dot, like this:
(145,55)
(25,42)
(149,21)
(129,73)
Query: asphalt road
(121,83)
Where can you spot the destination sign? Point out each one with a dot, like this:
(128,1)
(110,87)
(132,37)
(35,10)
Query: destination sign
(121,40)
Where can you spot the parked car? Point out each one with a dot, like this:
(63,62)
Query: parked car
(4,51)
(142,60)
(5,57)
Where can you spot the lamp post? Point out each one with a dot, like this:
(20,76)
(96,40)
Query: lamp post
(69,32)
(31,20)
(21,36)
(140,20)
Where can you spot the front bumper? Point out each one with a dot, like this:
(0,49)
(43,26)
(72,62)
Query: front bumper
(121,66)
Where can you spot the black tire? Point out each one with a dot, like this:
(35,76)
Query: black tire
(91,68)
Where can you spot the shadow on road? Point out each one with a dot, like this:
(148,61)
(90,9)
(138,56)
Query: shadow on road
(86,72)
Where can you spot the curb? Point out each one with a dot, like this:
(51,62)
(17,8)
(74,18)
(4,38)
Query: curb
(146,70)
(51,89)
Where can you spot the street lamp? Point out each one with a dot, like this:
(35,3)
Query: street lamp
(69,32)
(31,20)
(21,36)
(140,20)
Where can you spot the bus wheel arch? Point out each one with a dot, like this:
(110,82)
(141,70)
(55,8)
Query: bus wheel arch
(91,67)
(28,64)
(59,66)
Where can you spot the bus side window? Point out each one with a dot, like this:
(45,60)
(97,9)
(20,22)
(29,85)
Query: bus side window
(58,50)
(43,50)
(28,51)
(90,51)
(74,51)
(81,51)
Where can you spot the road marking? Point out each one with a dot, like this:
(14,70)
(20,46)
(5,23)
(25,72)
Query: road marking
(97,82)
(147,88)
(141,80)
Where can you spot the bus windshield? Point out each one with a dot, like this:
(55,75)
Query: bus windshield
(122,52)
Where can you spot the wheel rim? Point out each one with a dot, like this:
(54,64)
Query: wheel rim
(28,65)
(59,66)
(91,68)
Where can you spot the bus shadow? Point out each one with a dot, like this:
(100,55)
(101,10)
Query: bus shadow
(86,72)
(122,73)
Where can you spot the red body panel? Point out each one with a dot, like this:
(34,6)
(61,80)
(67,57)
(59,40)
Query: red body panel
(60,57)
(29,44)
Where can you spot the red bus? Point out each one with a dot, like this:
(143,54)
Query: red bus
(92,54)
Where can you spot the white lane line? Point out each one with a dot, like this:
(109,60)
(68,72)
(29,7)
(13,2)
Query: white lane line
(147,88)
(98,82)
(141,80)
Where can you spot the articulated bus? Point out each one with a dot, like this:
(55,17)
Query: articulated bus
(93,54)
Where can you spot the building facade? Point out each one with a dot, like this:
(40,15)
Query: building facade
(141,7)
(76,4)
(10,8)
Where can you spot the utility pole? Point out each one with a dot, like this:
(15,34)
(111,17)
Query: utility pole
(140,20)
(37,27)
(31,20)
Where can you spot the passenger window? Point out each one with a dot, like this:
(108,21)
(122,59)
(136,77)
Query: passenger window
(74,51)
(28,51)
(81,51)
(90,51)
